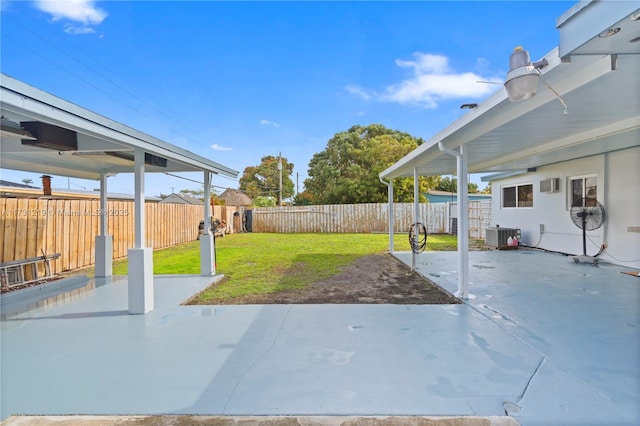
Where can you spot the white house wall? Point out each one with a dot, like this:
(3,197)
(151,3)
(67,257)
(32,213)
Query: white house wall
(618,180)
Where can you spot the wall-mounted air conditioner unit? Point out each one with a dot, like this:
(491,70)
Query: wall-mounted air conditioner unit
(499,237)
(550,185)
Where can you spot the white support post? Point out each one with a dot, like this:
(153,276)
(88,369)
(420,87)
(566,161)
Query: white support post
(463,226)
(416,216)
(140,257)
(463,220)
(207,239)
(391,216)
(390,211)
(104,242)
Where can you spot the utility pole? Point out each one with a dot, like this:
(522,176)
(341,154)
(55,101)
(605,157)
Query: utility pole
(280,172)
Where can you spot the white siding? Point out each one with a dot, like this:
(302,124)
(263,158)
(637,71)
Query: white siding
(618,190)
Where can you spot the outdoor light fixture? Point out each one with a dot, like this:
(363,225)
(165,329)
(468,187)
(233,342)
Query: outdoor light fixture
(522,78)
(609,32)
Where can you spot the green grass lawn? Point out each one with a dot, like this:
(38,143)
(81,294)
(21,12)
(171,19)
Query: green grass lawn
(257,263)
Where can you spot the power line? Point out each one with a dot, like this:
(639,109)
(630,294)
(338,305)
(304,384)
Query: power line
(67,71)
(184,123)
(193,180)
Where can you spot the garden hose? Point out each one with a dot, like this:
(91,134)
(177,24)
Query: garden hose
(418,242)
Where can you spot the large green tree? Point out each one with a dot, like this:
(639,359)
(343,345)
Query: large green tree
(264,179)
(347,170)
(451,185)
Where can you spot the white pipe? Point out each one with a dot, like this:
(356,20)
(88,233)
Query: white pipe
(447,150)
(416,216)
(463,220)
(390,208)
(605,199)
(463,224)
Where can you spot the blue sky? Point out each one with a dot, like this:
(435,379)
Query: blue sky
(236,81)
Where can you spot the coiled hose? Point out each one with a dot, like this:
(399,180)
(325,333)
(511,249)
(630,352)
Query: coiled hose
(418,242)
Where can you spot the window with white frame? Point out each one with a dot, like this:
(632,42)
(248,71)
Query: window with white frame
(584,191)
(517,196)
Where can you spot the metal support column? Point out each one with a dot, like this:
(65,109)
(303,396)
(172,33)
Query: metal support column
(140,257)
(416,215)
(463,220)
(391,216)
(207,239)
(104,242)
(390,212)
(463,226)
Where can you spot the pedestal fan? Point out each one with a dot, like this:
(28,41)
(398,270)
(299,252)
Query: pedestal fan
(589,216)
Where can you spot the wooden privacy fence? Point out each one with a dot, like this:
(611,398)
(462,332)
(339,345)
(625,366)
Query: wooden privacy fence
(31,227)
(479,218)
(357,218)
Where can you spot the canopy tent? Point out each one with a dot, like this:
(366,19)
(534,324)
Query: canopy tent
(594,71)
(42,133)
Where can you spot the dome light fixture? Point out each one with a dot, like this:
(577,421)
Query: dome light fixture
(523,75)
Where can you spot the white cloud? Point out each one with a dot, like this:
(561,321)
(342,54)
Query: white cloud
(217,147)
(432,81)
(73,30)
(426,63)
(269,123)
(82,11)
(359,91)
(482,64)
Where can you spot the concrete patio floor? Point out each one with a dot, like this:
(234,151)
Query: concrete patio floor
(582,320)
(545,340)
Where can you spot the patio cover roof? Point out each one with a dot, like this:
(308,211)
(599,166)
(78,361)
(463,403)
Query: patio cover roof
(597,78)
(103,146)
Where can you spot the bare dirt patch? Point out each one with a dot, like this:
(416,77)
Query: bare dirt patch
(374,279)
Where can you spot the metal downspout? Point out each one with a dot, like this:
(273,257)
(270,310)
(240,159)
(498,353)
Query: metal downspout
(605,200)
(390,208)
(416,216)
(463,220)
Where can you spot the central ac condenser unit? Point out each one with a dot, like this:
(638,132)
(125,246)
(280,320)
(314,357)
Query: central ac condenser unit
(499,237)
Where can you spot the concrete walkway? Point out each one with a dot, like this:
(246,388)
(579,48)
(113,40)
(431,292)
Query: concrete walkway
(561,349)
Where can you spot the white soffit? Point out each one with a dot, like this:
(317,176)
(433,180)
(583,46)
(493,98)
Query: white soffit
(584,28)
